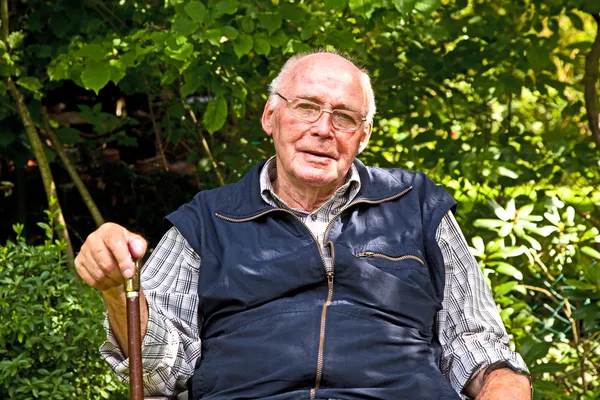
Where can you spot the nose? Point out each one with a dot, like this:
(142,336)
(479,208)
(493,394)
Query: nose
(323,126)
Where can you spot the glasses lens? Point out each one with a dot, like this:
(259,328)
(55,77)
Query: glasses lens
(305,110)
(345,121)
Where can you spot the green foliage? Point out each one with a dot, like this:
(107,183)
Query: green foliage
(50,326)
(550,303)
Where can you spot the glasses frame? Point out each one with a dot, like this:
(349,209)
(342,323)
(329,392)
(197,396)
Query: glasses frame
(322,110)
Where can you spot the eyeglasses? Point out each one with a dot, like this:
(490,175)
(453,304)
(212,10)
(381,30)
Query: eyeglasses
(342,120)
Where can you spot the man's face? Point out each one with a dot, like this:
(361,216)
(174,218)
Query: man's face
(316,154)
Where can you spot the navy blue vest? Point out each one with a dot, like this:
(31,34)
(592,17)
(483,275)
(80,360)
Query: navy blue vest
(278,325)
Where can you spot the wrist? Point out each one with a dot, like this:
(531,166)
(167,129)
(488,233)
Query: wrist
(504,377)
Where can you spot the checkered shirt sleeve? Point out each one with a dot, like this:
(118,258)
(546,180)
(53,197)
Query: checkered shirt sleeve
(470,329)
(171,345)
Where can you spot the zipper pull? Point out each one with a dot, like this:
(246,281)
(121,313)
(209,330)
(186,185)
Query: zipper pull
(330,277)
(365,254)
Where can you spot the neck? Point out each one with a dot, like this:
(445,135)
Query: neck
(304,197)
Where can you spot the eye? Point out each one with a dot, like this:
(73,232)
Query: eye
(346,118)
(306,106)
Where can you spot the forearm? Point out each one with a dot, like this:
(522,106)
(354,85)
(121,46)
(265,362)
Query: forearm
(499,384)
(116,308)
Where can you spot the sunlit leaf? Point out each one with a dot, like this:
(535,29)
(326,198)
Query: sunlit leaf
(506,269)
(215,115)
(590,252)
(95,76)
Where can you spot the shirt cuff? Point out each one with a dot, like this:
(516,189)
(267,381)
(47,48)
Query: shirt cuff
(512,361)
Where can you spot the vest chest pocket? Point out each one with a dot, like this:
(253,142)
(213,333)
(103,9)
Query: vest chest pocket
(391,262)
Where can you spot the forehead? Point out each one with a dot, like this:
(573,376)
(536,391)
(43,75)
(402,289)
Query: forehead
(330,79)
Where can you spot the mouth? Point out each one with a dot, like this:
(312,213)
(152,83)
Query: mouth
(316,153)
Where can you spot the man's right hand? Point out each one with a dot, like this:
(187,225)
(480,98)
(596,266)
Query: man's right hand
(106,258)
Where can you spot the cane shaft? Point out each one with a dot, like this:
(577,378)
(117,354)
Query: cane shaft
(134,335)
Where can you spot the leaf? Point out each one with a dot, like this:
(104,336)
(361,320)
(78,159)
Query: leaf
(92,50)
(225,7)
(270,21)
(427,6)
(215,115)
(196,11)
(505,230)
(178,51)
(547,367)
(95,76)
(230,32)
(214,36)
(404,6)
(533,351)
(7,136)
(68,135)
(525,210)
(336,5)
(15,39)
(511,251)
(184,25)
(362,7)
(533,242)
(262,46)
(30,83)
(545,230)
(478,244)
(488,223)
(243,44)
(247,24)
(507,172)
(592,274)
(505,288)
(500,211)
(507,269)
(590,252)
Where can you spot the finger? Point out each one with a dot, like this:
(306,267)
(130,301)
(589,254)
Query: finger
(137,245)
(116,243)
(104,269)
(91,274)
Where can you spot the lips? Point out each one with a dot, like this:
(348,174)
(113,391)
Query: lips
(318,153)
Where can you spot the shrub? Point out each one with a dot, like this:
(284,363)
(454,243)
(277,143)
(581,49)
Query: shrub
(50,326)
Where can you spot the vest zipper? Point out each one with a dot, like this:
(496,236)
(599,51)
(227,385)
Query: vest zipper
(323,321)
(406,257)
(329,273)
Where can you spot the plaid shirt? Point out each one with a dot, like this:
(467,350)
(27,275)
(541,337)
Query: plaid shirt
(469,326)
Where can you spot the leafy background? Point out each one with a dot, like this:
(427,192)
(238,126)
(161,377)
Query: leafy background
(151,101)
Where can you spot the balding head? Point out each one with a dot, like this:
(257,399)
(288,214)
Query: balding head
(301,64)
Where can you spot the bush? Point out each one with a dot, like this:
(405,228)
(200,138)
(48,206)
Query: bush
(50,326)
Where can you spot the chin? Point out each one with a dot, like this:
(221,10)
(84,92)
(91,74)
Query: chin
(317,177)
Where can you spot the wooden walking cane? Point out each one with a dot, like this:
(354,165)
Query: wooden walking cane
(134,335)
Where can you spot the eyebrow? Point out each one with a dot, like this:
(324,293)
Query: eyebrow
(318,100)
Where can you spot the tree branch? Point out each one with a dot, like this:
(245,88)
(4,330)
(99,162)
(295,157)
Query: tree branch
(85,194)
(157,131)
(590,80)
(206,147)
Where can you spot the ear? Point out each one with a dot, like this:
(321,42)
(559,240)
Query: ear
(267,118)
(366,134)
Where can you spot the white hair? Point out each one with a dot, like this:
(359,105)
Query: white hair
(289,65)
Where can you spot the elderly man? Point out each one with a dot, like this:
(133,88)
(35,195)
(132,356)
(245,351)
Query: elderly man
(313,277)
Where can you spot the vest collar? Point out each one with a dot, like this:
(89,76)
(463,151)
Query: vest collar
(245,200)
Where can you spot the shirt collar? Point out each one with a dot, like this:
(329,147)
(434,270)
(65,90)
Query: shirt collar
(268,174)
